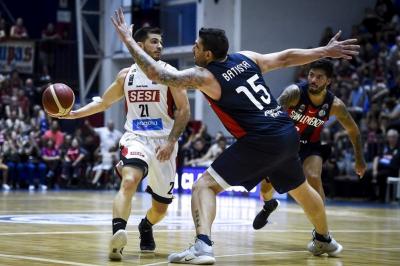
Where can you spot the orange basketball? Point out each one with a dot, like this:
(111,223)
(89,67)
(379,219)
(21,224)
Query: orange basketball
(58,99)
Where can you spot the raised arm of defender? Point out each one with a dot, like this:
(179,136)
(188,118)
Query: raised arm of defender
(295,57)
(194,77)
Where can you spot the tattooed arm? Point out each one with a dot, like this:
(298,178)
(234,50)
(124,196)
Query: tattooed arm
(289,97)
(343,116)
(194,77)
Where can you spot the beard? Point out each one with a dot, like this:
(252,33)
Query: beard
(316,91)
(199,62)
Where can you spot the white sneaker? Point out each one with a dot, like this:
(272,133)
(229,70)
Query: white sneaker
(317,248)
(199,253)
(43,187)
(31,188)
(6,187)
(117,244)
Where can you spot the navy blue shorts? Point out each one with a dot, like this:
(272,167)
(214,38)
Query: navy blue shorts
(308,149)
(253,158)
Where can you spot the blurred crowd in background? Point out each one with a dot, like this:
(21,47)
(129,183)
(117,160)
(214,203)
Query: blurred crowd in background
(36,153)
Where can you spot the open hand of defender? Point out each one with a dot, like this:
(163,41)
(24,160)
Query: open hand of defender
(124,31)
(342,49)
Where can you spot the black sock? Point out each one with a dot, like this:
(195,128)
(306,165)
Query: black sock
(323,238)
(118,224)
(147,222)
(205,239)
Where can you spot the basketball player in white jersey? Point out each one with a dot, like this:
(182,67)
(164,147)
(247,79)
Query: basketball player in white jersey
(149,145)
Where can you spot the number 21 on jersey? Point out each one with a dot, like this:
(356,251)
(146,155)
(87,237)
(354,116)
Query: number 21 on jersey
(144,110)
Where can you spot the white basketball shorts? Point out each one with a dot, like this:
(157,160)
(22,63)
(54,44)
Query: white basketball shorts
(141,151)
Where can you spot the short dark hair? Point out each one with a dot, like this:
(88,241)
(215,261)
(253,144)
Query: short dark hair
(215,40)
(325,65)
(141,34)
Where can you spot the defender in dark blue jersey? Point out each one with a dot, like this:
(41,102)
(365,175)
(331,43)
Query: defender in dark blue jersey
(267,142)
(309,106)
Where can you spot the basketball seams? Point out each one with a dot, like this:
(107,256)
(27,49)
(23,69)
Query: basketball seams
(53,92)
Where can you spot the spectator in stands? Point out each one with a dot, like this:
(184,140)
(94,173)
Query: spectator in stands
(358,101)
(195,151)
(23,101)
(213,152)
(31,166)
(51,157)
(104,165)
(55,133)
(3,30)
(393,59)
(109,138)
(379,90)
(4,172)
(386,164)
(48,44)
(66,145)
(11,156)
(15,80)
(13,122)
(395,89)
(72,165)
(374,139)
(345,70)
(385,10)
(32,92)
(203,133)
(394,49)
(372,23)
(18,30)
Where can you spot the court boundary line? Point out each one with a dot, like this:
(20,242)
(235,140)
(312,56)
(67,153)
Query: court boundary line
(62,262)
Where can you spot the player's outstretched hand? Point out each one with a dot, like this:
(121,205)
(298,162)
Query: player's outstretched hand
(342,49)
(163,152)
(124,32)
(360,168)
(70,115)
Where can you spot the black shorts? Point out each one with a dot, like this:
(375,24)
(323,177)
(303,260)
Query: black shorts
(253,158)
(308,149)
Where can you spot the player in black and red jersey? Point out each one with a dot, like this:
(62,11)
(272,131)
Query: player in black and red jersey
(309,106)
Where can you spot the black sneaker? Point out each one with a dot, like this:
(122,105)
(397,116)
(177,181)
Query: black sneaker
(147,243)
(262,217)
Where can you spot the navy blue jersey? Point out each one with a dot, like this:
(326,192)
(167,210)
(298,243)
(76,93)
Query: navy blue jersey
(246,106)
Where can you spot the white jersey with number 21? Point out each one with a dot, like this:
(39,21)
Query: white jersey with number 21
(149,105)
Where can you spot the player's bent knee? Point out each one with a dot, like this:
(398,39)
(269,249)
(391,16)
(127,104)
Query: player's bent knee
(130,184)
(206,182)
(160,210)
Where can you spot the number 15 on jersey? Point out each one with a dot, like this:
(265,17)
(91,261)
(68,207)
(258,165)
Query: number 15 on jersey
(266,98)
